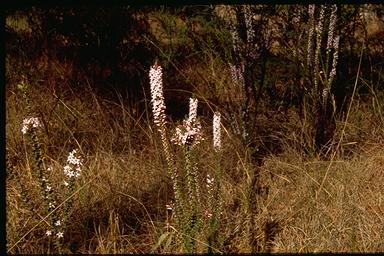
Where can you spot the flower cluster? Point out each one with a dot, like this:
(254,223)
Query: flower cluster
(216,131)
(233,30)
(73,167)
(332,74)
(58,234)
(72,170)
(158,105)
(210,186)
(190,131)
(237,74)
(332,24)
(248,23)
(311,12)
(192,110)
(28,123)
(210,181)
(320,24)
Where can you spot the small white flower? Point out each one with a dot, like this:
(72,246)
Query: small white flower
(72,159)
(325,92)
(48,233)
(208,214)
(67,168)
(59,234)
(48,188)
(24,129)
(68,171)
(58,223)
(66,184)
(209,180)
(28,122)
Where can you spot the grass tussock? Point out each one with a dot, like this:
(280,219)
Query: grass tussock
(340,217)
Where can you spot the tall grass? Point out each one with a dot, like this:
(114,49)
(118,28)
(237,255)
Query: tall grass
(124,201)
(121,205)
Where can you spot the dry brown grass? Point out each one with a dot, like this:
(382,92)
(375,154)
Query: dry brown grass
(337,219)
(120,198)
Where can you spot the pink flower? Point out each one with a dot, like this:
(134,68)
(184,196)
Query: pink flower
(157,97)
(190,132)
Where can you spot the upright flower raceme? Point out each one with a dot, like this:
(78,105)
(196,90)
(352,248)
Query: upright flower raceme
(158,109)
(216,131)
(72,170)
(319,37)
(248,23)
(237,74)
(210,187)
(158,105)
(233,29)
(311,12)
(332,74)
(192,110)
(333,42)
(332,25)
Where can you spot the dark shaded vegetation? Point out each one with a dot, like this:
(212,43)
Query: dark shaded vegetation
(105,46)
(111,47)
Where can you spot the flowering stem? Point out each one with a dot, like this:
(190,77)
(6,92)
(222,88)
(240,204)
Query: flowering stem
(191,178)
(158,107)
(214,187)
